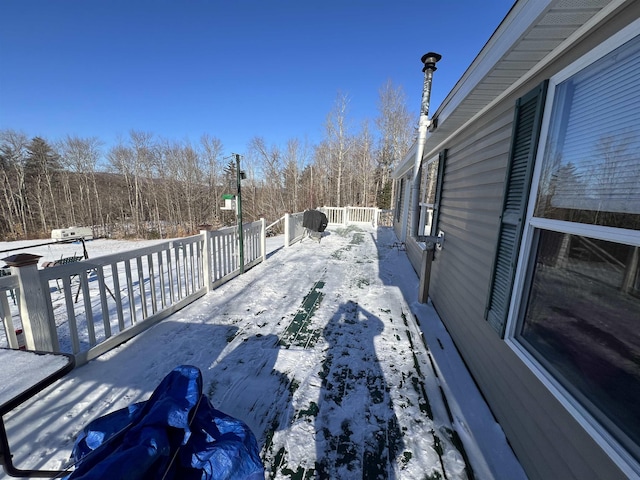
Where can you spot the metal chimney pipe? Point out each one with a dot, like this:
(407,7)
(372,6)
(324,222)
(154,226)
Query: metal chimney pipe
(429,60)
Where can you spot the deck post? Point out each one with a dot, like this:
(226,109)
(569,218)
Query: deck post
(263,239)
(38,331)
(287,230)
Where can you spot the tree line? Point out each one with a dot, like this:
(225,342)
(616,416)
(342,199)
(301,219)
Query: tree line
(145,186)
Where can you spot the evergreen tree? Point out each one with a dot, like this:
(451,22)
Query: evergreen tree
(42,167)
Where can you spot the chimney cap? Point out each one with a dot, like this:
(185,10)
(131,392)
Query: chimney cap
(430,59)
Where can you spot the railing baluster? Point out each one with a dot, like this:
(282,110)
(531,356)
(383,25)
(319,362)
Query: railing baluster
(152,283)
(88,309)
(192,268)
(71,314)
(143,293)
(9,328)
(176,257)
(172,282)
(163,294)
(103,302)
(130,291)
(118,295)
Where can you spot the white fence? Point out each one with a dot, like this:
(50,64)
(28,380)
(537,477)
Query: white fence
(349,215)
(293,229)
(90,306)
(102,298)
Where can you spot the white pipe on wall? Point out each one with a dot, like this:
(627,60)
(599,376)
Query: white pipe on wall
(429,60)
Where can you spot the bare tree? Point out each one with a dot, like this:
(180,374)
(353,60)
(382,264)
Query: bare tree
(211,151)
(320,176)
(365,166)
(396,126)
(80,158)
(295,159)
(337,132)
(270,170)
(135,163)
(189,176)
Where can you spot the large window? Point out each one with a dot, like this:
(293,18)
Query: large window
(578,316)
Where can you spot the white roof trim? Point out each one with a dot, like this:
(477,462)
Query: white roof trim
(513,27)
(407,162)
(557,52)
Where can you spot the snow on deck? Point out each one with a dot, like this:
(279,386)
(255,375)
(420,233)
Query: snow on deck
(318,351)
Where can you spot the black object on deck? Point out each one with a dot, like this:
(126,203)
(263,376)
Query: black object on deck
(315,220)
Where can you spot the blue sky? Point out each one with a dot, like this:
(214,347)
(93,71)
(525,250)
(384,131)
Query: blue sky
(232,69)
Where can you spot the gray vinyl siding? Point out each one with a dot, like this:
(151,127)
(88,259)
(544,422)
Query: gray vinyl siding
(547,440)
(471,202)
(414,253)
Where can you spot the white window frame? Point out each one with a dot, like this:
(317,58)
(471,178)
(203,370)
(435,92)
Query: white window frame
(423,205)
(629,465)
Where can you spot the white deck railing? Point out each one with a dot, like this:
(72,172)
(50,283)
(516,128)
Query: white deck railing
(348,215)
(90,306)
(96,300)
(293,229)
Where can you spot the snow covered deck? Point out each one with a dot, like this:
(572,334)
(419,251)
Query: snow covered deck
(320,351)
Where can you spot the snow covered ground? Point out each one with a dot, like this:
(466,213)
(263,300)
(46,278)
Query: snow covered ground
(319,351)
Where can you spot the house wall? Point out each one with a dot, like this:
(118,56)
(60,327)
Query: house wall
(402,228)
(404,189)
(547,439)
(414,253)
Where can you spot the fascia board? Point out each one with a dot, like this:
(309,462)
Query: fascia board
(518,21)
(406,164)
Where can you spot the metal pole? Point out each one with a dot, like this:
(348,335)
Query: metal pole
(239,214)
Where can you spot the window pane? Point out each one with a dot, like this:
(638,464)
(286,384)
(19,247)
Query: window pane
(591,166)
(428,196)
(426,219)
(582,322)
(429,183)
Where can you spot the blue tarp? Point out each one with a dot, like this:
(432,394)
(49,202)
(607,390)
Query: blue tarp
(176,434)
